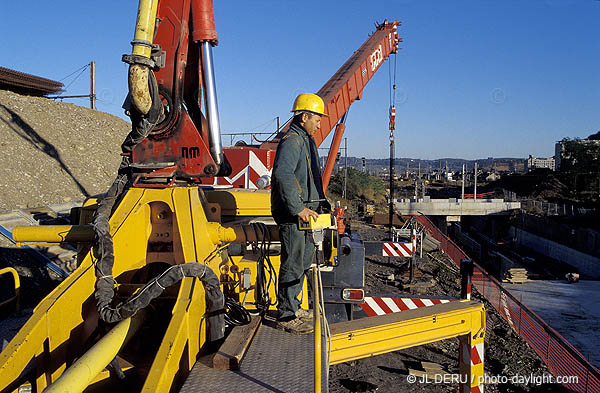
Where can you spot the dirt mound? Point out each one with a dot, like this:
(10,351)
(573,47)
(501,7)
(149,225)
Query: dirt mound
(538,184)
(54,152)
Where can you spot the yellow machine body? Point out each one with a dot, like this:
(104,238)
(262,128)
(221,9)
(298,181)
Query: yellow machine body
(149,226)
(172,226)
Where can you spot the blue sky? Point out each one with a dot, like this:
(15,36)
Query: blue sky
(475,78)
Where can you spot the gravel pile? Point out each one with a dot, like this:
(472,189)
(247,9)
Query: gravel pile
(55,152)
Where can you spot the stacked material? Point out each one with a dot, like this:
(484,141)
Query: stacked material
(28,84)
(516,276)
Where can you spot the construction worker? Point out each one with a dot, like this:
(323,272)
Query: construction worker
(296,190)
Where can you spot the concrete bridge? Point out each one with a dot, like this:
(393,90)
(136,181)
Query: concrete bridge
(453,208)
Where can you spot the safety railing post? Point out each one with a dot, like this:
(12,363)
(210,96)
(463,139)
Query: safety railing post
(317,331)
(520,310)
(466,274)
(471,362)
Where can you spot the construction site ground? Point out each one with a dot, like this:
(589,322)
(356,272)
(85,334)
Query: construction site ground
(55,152)
(506,354)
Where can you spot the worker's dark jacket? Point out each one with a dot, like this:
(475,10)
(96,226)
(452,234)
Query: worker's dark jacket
(293,178)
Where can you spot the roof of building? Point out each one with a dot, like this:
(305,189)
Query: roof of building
(28,84)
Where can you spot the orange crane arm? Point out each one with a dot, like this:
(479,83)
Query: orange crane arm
(347,84)
(344,87)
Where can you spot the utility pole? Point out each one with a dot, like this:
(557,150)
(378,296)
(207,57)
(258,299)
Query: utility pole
(278,124)
(345,165)
(463,185)
(475,190)
(392,148)
(92,85)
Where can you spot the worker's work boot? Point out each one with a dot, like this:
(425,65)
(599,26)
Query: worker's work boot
(296,326)
(305,315)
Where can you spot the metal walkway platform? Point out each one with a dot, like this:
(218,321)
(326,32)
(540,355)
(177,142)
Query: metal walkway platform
(275,362)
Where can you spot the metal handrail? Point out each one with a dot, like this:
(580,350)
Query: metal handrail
(17,282)
(317,330)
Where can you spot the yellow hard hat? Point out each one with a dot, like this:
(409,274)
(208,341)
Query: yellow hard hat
(309,102)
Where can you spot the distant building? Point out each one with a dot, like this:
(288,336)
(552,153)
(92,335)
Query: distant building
(536,163)
(577,154)
(502,166)
(492,177)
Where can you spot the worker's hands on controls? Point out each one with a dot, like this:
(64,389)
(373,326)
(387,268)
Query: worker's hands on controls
(306,213)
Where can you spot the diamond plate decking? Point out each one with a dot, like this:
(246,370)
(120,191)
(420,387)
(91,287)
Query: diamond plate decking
(275,362)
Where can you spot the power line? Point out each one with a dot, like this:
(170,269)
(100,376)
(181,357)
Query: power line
(74,72)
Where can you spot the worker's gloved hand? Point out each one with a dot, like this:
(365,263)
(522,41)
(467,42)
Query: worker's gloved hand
(306,213)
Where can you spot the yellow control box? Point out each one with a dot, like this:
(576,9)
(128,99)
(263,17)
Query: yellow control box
(324,221)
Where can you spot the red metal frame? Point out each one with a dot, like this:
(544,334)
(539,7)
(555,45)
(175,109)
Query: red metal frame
(182,138)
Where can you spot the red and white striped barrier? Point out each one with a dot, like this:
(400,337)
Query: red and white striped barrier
(470,356)
(397,249)
(387,305)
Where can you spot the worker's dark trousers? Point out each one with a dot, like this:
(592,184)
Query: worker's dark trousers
(297,253)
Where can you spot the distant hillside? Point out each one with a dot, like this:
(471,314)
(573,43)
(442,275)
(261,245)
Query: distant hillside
(454,164)
(54,152)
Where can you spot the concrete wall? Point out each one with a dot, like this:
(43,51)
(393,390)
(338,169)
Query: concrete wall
(588,265)
(473,248)
(583,239)
(454,207)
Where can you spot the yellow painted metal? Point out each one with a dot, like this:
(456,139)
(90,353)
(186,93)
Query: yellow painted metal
(471,372)
(242,202)
(105,375)
(144,27)
(77,377)
(186,323)
(317,332)
(385,333)
(53,234)
(239,233)
(324,221)
(185,329)
(64,320)
(17,284)
(49,234)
